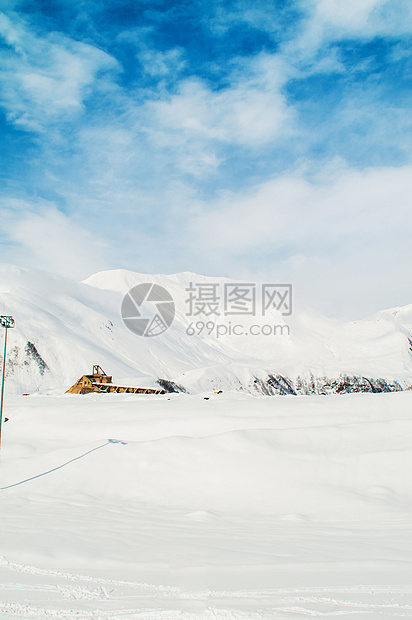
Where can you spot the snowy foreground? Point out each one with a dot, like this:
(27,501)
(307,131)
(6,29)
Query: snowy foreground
(137,507)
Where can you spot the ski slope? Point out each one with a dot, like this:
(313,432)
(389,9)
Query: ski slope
(239,506)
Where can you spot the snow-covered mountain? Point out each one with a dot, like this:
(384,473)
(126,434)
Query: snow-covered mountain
(63,327)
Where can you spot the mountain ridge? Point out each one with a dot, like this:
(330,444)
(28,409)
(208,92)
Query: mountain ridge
(73,325)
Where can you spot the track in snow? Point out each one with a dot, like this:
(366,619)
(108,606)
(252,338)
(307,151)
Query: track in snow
(56,595)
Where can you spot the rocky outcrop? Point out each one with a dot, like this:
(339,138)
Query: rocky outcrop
(170,386)
(344,384)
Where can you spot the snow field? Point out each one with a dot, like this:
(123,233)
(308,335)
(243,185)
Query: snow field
(127,506)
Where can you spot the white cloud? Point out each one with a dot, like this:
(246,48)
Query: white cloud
(331,21)
(349,204)
(263,16)
(45,79)
(45,238)
(197,122)
(162,63)
(340,235)
(350,15)
(250,112)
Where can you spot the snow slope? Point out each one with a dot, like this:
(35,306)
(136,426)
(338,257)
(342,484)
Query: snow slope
(137,507)
(64,327)
(202,505)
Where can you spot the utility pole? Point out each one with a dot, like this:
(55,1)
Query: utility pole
(7,322)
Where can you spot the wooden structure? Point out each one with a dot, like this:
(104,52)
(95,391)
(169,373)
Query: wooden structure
(101,383)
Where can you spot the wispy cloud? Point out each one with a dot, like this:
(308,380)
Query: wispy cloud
(41,236)
(333,235)
(45,79)
(331,21)
(199,122)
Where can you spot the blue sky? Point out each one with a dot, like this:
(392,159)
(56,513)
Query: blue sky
(267,140)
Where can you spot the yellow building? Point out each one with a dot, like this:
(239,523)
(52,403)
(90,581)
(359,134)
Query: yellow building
(101,383)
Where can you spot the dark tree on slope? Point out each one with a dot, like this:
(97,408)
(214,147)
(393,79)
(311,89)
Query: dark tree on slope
(32,353)
(171,386)
(281,385)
